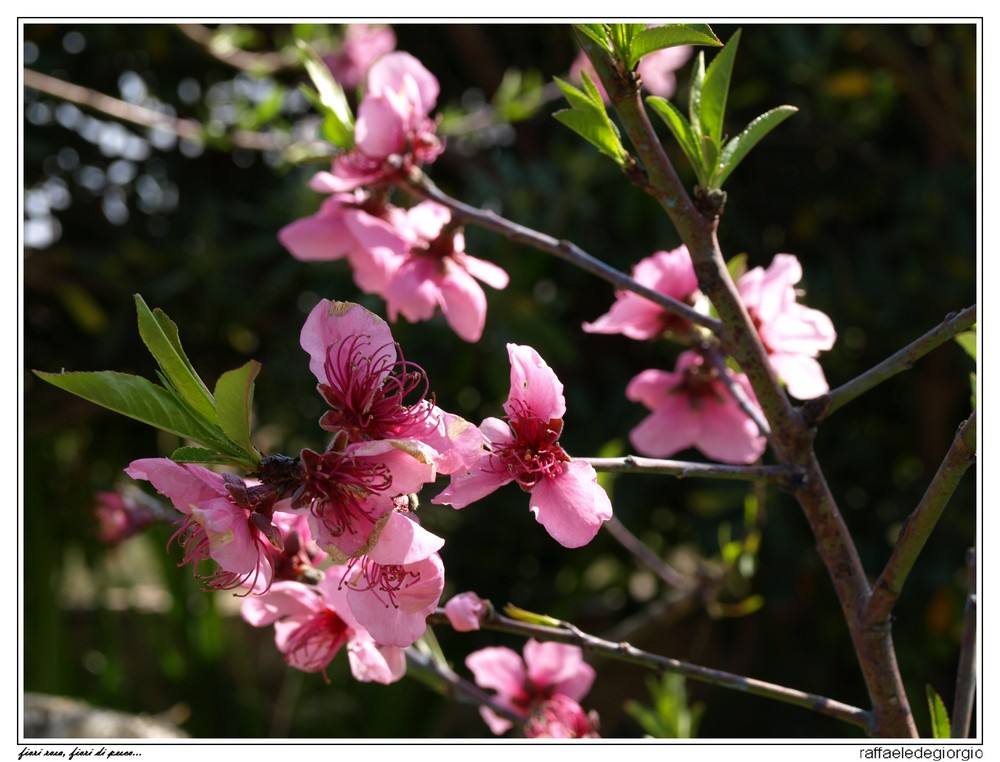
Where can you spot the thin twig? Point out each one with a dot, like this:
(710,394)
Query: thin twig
(256,63)
(783,475)
(627,653)
(815,410)
(644,554)
(965,681)
(920,523)
(188,129)
(422,186)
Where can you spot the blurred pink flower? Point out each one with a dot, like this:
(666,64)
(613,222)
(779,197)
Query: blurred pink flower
(436,272)
(792,333)
(523,686)
(393,130)
(362,45)
(656,70)
(121,515)
(214,525)
(465,611)
(692,407)
(565,496)
(312,624)
(669,272)
(561,717)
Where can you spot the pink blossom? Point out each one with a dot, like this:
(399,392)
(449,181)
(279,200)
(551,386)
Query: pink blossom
(351,226)
(438,273)
(792,333)
(394,587)
(565,496)
(215,526)
(465,611)
(561,717)
(656,70)
(363,44)
(693,408)
(312,624)
(393,130)
(299,554)
(375,394)
(523,686)
(669,272)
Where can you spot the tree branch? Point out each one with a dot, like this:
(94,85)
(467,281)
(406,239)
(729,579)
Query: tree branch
(419,184)
(187,129)
(787,476)
(645,555)
(244,60)
(791,439)
(566,633)
(920,524)
(815,410)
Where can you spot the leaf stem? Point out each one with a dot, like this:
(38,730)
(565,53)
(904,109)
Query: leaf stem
(965,682)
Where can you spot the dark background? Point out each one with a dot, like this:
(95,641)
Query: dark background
(872,185)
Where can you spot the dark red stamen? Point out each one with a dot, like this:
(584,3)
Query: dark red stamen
(535,452)
(336,487)
(380,579)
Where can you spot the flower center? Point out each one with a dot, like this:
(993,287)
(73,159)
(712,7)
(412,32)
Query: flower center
(313,645)
(535,452)
(336,488)
(367,391)
(385,581)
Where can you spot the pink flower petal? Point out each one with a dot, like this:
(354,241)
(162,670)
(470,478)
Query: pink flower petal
(560,666)
(571,506)
(534,385)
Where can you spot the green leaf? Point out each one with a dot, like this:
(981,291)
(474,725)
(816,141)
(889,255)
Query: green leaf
(589,118)
(622,36)
(597,32)
(682,132)
(201,455)
(940,724)
(715,89)
(338,121)
(737,148)
(159,334)
(669,36)
(694,93)
(137,398)
(709,156)
(233,400)
(967,341)
(592,129)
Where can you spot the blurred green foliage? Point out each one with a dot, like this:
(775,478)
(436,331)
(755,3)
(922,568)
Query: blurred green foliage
(872,184)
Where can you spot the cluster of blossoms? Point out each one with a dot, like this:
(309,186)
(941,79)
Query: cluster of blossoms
(352,504)
(413,258)
(693,405)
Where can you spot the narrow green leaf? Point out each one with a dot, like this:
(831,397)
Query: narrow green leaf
(589,118)
(595,131)
(159,334)
(576,98)
(737,266)
(233,400)
(331,98)
(715,89)
(137,398)
(622,36)
(940,724)
(694,93)
(201,455)
(737,148)
(597,32)
(682,132)
(671,35)
(709,156)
